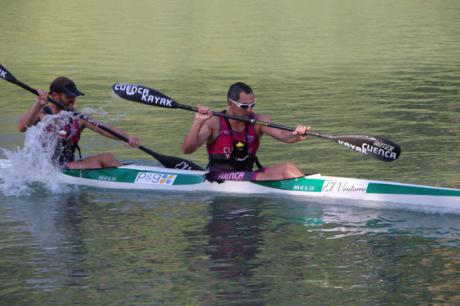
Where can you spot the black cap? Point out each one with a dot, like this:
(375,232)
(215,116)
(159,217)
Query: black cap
(66,86)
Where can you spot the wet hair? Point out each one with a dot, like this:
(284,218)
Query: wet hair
(237,88)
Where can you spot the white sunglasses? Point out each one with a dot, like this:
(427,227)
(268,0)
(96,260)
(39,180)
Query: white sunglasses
(243,105)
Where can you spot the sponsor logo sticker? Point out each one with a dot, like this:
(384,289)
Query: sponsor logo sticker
(107,178)
(231,176)
(155,178)
(303,188)
(338,186)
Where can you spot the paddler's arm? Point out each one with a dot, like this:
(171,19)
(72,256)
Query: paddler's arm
(284,136)
(199,132)
(33,114)
(133,141)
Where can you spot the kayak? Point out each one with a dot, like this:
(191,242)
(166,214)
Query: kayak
(140,177)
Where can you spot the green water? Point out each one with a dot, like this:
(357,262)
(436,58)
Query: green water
(387,68)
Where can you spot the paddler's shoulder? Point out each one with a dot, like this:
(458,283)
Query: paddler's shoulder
(213,123)
(47,110)
(44,111)
(261,117)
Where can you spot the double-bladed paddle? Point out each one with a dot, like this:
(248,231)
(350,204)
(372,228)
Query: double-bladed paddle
(373,146)
(167,161)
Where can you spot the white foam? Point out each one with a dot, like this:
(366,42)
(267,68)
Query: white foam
(31,169)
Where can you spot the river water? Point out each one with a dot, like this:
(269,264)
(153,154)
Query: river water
(387,68)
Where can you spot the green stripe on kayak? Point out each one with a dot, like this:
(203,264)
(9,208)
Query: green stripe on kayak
(136,176)
(410,190)
(297,184)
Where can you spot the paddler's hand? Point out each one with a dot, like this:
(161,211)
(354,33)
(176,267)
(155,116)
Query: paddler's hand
(42,98)
(203,114)
(300,131)
(133,141)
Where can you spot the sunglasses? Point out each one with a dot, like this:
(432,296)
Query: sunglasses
(243,105)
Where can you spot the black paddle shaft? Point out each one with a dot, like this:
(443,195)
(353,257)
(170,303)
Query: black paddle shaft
(373,146)
(376,147)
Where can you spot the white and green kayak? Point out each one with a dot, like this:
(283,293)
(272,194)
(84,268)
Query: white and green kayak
(138,177)
(157,178)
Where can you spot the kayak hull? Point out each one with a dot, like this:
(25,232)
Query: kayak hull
(159,179)
(135,177)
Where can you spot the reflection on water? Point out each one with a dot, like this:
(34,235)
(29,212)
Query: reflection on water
(247,251)
(41,247)
(235,237)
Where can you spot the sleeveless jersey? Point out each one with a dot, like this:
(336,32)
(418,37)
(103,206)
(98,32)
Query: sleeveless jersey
(69,136)
(231,150)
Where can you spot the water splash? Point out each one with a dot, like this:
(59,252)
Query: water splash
(30,168)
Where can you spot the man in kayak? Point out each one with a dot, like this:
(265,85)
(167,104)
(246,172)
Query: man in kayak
(64,90)
(232,145)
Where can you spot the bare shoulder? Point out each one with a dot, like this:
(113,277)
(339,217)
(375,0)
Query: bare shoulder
(83,123)
(259,117)
(213,124)
(41,114)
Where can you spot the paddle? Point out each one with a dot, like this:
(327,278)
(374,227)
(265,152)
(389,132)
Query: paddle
(373,146)
(167,161)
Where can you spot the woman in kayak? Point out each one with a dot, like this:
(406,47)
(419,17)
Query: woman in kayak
(64,90)
(232,145)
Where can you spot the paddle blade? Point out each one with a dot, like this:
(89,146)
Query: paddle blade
(143,94)
(372,146)
(172,161)
(179,163)
(6,75)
